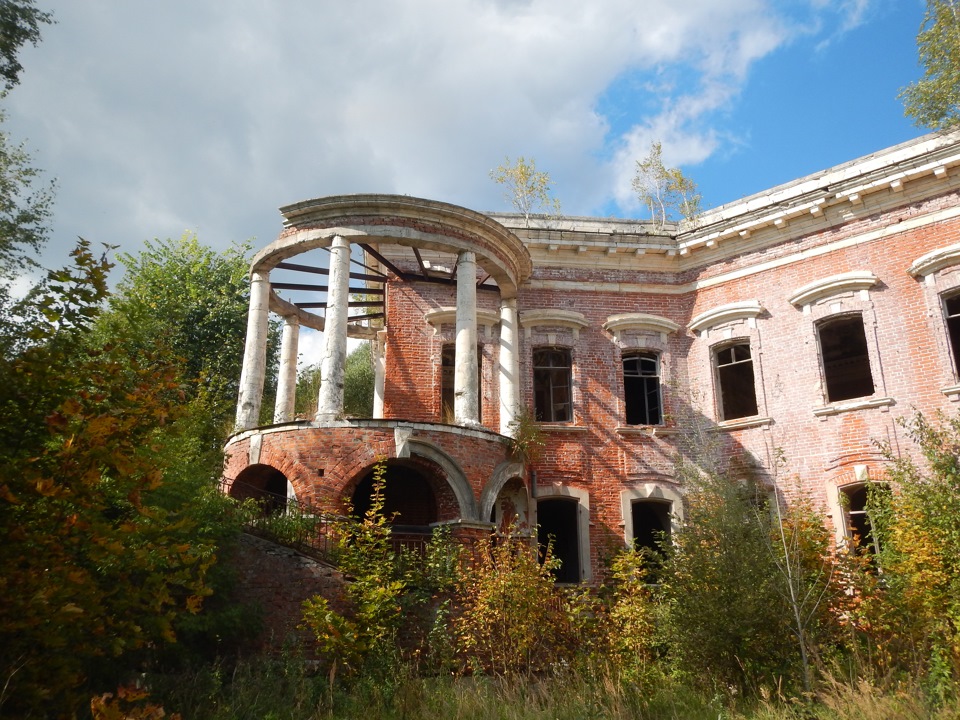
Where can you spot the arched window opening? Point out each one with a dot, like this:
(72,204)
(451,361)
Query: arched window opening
(558,521)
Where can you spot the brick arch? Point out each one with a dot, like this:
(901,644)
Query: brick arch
(455,477)
(503,473)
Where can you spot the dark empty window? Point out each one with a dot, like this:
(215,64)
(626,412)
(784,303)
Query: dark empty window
(651,524)
(858,528)
(846,362)
(951,310)
(558,522)
(641,388)
(448,363)
(738,393)
(551,385)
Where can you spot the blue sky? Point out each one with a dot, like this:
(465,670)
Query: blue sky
(184,115)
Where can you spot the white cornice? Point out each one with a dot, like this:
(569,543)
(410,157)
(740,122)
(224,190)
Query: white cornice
(448,316)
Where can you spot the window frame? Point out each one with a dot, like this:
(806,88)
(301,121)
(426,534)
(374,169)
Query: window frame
(827,372)
(652,384)
(718,374)
(550,372)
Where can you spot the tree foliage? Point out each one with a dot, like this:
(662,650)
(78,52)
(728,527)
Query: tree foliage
(185,296)
(934,100)
(20,22)
(665,190)
(97,561)
(526,188)
(358,381)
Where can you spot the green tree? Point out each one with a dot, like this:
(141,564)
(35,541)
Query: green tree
(934,100)
(726,616)
(526,188)
(187,297)
(665,190)
(97,562)
(20,22)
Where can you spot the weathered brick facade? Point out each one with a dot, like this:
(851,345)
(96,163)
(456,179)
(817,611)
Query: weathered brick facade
(823,288)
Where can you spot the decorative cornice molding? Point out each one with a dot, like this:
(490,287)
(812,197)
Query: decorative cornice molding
(448,316)
(745,309)
(935,260)
(639,322)
(857,280)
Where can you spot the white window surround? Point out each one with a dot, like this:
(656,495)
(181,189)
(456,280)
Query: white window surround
(574,321)
(855,281)
(650,491)
(639,322)
(560,490)
(731,312)
(851,405)
(448,316)
(935,260)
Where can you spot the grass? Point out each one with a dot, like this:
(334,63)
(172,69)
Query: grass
(283,689)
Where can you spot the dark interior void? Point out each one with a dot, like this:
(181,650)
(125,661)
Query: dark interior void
(263,483)
(858,521)
(651,523)
(641,389)
(409,498)
(846,362)
(738,392)
(951,306)
(558,521)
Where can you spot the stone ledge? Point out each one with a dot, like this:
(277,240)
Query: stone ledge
(837,408)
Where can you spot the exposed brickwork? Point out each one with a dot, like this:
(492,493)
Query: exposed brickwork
(595,458)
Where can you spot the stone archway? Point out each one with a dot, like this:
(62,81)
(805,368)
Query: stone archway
(264,484)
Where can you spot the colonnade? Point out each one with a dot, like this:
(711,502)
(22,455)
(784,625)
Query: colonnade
(334,351)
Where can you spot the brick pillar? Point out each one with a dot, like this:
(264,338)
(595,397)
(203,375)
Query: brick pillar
(283,410)
(509,365)
(254,352)
(466,396)
(334,355)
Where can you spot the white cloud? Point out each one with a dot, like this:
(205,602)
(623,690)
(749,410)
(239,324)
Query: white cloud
(162,117)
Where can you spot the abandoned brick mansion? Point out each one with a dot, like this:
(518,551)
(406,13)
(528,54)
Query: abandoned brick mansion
(799,323)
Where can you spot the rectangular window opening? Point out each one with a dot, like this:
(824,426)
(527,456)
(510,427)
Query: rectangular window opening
(846,360)
(641,389)
(552,399)
(448,363)
(738,392)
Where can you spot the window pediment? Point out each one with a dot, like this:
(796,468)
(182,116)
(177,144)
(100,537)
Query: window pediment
(639,322)
(935,260)
(569,319)
(856,281)
(448,316)
(731,312)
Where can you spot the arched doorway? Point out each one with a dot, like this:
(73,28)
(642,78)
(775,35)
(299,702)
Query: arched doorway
(263,483)
(409,498)
(558,520)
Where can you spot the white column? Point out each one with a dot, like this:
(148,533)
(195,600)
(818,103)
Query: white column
(509,366)
(379,349)
(283,410)
(334,356)
(254,352)
(466,400)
